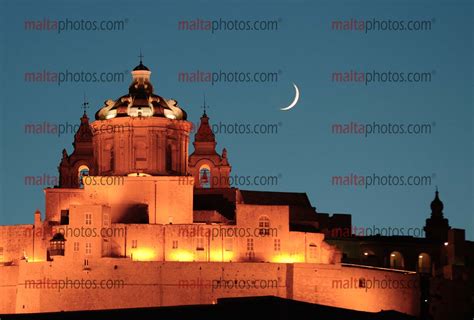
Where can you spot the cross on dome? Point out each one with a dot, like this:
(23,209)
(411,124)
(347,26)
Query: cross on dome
(205,106)
(85,104)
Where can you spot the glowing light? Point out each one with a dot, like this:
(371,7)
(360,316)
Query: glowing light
(143,254)
(286,258)
(366,253)
(445,243)
(216,255)
(169,114)
(181,255)
(420,256)
(111,114)
(392,255)
(139,174)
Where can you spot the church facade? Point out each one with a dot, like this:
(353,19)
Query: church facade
(137,221)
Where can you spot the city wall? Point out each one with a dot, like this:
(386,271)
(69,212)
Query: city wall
(122,283)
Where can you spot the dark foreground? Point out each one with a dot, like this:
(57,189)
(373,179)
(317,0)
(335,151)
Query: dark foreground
(238,308)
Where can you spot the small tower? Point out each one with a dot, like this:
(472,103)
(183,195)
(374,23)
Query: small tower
(209,169)
(81,161)
(437,226)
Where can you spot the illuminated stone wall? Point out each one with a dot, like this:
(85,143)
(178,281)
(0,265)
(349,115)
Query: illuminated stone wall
(142,284)
(152,145)
(167,198)
(357,288)
(122,283)
(16,242)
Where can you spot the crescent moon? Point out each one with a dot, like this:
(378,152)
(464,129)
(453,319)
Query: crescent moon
(295,101)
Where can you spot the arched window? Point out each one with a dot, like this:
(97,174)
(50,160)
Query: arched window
(81,173)
(205,176)
(424,263)
(264,226)
(396,260)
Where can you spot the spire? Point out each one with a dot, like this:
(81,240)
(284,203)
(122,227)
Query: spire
(204,106)
(437,205)
(85,104)
(84,133)
(141,66)
(204,132)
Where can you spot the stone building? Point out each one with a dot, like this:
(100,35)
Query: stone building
(138,222)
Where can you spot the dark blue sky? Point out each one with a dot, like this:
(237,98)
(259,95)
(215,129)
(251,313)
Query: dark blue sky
(305,154)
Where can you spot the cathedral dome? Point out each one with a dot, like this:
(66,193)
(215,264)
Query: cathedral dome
(141,101)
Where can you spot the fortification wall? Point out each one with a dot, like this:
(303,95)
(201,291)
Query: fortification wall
(16,241)
(111,283)
(356,288)
(121,283)
(8,286)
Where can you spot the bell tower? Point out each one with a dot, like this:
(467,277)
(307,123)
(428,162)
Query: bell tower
(209,169)
(81,161)
(437,226)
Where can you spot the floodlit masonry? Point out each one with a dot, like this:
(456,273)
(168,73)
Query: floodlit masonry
(168,208)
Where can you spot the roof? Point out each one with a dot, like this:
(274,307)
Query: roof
(275,198)
(141,66)
(141,101)
(301,214)
(220,200)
